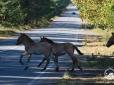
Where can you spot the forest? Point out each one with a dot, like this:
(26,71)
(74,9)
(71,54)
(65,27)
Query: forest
(29,12)
(25,14)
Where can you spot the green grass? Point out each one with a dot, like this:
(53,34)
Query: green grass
(10,30)
(101,63)
(6,33)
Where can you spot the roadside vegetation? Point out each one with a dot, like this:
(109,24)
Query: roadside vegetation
(18,15)
(97,13)
(97,16)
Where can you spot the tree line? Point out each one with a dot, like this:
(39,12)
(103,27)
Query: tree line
(24,12)
(98,13)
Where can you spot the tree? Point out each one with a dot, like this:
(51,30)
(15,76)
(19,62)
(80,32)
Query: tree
(96,12)
(11,12)
(21,12)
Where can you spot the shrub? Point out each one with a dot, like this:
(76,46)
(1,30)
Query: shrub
(96,12)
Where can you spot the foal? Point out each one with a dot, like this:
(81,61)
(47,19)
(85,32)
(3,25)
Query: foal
(59,49)
(40,48)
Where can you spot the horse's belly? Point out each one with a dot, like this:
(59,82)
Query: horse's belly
(35,51)
(59,54)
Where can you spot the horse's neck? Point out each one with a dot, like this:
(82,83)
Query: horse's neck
(28,43)
(51,42)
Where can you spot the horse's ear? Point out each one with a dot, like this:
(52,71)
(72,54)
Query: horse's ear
(112,33)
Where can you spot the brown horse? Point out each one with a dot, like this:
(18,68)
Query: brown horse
(110,41)
(40,48)
(59,49)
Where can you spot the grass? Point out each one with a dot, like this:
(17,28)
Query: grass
(94,62)
(101,63)
(6,33)
(97,56)
(104,33)
(66,75)
(98,47)
(97,50)
(10,31)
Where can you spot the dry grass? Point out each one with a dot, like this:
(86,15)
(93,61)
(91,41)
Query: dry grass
(99,47)
(97,50)
(105,33)
(94,62)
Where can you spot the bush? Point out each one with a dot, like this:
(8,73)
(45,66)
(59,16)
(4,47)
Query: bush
(11,12)
(21,12)
(96,12)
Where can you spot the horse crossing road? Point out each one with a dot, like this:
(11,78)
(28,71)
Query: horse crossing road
(65,28)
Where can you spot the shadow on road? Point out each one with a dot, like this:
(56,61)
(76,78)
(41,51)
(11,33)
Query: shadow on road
(63,29)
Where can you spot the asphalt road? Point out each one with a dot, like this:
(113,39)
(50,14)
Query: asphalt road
(65,28)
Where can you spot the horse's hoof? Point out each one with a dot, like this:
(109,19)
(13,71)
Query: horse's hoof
(57,69)
(38,65)
(72,70)
(21,63)
(42,69)
(81,69)
(26,68)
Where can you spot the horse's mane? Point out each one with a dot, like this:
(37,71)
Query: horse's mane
(28,38)
(49,41)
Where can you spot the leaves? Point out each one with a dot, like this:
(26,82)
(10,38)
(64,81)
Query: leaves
(19,12)
(96,12)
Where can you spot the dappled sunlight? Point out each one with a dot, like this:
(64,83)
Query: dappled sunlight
(65,28)
(98,50)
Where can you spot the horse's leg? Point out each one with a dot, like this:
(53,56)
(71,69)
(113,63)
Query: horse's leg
(22,55)
(47,55)
(20,60)
(77,63)
(55,58)
(48,60)
(28,60)
(70,52)
(29,57)
(41,62)
(73,64)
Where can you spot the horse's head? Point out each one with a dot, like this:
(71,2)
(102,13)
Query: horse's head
(110,41)
(20,39)
(44,39)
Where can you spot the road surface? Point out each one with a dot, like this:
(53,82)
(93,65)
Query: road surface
(65,28)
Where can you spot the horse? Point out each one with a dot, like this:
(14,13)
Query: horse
(110,41)
(31,47)
(59,49)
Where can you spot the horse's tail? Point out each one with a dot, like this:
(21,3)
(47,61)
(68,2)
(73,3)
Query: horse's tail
(78,50)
